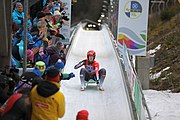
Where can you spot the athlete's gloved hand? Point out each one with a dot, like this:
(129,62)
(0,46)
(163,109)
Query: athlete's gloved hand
(76,66)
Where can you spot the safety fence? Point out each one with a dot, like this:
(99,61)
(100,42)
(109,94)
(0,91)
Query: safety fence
(133,84)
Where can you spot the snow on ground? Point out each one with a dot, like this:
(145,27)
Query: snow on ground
(156,75)
(153,51)
(163,105)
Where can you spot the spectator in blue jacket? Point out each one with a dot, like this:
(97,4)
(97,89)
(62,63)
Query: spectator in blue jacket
(18,15)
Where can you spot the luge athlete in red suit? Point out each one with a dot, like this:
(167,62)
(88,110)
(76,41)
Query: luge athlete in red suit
(91,71)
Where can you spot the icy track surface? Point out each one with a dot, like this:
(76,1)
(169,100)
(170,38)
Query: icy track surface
(110,104)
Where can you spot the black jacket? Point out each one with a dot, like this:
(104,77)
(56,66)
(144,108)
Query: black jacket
(21,110)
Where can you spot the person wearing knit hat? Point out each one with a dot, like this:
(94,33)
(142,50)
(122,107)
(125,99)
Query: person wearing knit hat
(18,16)
(59,65)
(30,55)
(57,13)
(63,76)
(56,19)
(49,16)
(48,103)
(47,12)
(19,6)
(40,15)
(56,52)
(82,115)
(59,45)
(53,75)
(39,68)
(30,58)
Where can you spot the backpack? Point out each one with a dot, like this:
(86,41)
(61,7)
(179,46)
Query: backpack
(10,102)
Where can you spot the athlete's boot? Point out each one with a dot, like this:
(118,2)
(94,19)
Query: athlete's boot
(82,77)
(102,75)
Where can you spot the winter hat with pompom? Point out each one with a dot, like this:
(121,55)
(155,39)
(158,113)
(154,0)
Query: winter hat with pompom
(59,64)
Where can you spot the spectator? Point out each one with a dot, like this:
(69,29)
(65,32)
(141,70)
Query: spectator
(41,36)
(56,21)
(56,6)
(56,52)
(41,25)
(26,81)
(48,15)
(64,17)
(18,37)
(39,68)
(41,16)
(17,107)
(30,58)
(60,65)
(17,54)
(48,103)
(18,16)
(63,6)
(50,5)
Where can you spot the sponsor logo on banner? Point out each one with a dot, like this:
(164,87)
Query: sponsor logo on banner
(133,9)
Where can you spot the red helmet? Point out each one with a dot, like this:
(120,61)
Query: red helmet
(91,53)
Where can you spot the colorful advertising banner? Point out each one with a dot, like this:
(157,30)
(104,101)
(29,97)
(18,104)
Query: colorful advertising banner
(65,30)
(129,70)
(135,87)
(132,26)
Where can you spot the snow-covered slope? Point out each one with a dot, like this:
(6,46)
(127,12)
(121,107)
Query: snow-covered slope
(163,105)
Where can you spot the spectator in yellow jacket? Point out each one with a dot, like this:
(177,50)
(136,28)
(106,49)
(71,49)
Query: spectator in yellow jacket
(48,103)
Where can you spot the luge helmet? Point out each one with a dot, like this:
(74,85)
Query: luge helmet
(91,53)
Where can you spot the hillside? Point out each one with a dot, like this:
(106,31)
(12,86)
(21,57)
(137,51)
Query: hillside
(165,34)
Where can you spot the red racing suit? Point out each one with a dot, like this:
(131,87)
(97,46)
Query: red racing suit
(87,63)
